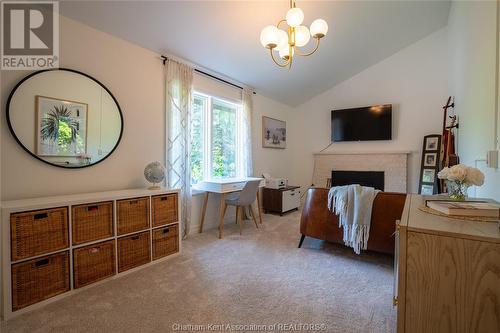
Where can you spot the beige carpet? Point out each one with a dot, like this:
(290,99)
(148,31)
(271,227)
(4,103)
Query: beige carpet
(258,278)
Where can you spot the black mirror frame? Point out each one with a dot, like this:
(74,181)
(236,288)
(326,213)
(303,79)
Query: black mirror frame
(37,157)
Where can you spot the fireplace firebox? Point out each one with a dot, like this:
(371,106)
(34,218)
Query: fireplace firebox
(373,179)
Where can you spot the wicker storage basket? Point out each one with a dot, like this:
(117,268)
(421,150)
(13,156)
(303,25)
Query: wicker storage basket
(93,263)
(132,215)
(92,222)
(164,209)
(134,250)
(38,232)
(165,241)
(38,279)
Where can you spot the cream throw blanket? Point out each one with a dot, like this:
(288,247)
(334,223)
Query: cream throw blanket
(353,204)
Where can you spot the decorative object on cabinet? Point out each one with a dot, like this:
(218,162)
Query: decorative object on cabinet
(154,173)
(273,133)
(428,183)
(459,178)
(281,200)
(64,118)
(447,273)
(48,253)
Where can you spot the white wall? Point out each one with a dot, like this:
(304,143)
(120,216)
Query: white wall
(473,55)
(414,80)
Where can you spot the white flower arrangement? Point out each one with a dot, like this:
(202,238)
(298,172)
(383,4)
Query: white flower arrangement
(462,174)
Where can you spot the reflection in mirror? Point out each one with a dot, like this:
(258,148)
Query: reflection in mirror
(65,118)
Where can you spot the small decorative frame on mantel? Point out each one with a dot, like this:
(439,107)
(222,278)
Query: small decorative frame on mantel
(431,151)
(273,133)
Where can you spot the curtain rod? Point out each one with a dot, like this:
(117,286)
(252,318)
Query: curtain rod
(164,59)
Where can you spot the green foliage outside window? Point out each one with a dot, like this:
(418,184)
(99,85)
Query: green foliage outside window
(222,145)
(223,141)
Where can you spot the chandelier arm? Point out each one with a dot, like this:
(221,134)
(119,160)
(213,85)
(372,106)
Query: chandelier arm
(276,62)
(279,23)
(308,53)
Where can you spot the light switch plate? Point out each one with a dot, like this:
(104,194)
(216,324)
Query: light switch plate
(492,159)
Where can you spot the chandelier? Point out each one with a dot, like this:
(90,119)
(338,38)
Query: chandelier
(287,42)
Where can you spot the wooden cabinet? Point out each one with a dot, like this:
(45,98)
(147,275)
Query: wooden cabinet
(53,245)
(281,200)
(448,273)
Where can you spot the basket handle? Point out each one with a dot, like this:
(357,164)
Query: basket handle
(91,208)
(164,198)
(133,202)
(41,216)
(134,237)
(41,263)
(165,231)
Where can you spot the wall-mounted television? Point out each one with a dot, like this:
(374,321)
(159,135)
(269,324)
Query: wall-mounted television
(362,124)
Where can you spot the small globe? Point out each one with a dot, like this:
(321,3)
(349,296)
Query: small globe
(154,173)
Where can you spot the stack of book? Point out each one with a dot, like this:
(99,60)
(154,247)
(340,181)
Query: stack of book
(465,208)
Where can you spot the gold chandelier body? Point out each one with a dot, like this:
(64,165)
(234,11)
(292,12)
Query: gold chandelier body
(288,42)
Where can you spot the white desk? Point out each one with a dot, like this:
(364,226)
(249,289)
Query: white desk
(223,187)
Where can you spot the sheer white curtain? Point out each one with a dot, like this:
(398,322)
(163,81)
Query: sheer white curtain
(247,105)
(179,86)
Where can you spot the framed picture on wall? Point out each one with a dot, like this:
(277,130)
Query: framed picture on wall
(61,127)
(431,150)
(273,133)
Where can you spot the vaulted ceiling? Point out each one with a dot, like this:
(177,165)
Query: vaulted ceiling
(223,36)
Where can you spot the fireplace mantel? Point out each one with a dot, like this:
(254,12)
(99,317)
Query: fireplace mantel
(395,152)
(392,163)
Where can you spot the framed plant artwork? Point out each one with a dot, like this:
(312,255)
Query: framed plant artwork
(273,133)
(61,127)
(431,151)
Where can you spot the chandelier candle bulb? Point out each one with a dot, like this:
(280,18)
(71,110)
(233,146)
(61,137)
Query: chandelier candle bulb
(285,52)
(319,28)
(294,17)
(286,41)
(270,37)
(302,36)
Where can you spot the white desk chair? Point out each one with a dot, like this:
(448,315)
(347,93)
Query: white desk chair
(243,199)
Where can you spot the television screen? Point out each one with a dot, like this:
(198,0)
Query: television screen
(362,124)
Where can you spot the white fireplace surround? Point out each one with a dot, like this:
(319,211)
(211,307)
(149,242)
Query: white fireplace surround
(393,164)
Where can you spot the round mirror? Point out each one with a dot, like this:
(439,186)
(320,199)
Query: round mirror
(64,118)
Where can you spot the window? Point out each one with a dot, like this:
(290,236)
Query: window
(215,138)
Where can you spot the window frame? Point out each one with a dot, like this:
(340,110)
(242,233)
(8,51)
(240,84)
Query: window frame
(207,129)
